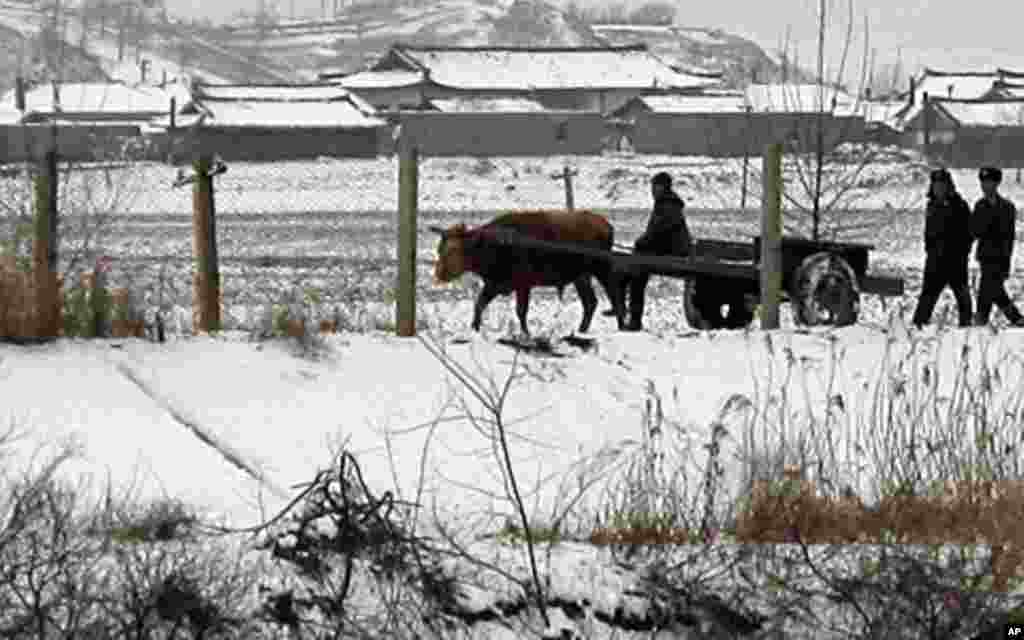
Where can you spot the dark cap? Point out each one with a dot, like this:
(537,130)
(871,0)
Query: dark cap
(990,173)
(662,178)
(941,175)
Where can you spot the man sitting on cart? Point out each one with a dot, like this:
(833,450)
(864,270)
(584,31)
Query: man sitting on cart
(666,235)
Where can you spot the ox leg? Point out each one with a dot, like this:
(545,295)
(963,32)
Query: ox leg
(487,294)
(589,299)
(523,307)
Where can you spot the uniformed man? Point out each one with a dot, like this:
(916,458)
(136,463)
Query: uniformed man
(947,242)
(993,225)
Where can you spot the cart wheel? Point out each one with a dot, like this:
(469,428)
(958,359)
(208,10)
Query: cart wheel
(825,291)
(706,310)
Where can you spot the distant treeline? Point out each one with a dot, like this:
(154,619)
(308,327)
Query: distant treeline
(651,13)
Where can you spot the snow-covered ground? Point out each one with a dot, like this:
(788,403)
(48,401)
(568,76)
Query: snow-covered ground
(612,181)
(281,415)
(231,425)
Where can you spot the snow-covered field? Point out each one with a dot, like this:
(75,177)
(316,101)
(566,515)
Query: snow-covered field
(262,419)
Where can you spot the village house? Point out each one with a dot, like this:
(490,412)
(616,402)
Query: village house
(95,120)
(270,122)
(970,133)
(733,124)
(511,100)
(971,117)
(566,78)
(504,126)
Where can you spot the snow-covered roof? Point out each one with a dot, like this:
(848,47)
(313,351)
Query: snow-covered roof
(9,115)
(694,104)
(316,92)
(1008,90)
(960,85)
(797,98)
(275,105)
(885,112)
(488,105)
(985,114)
(101,98)
(635,28)
(526,68)
(333,115)
(388,79)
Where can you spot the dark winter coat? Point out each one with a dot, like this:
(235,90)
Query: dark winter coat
(947,228)
(994,226)
(666,233)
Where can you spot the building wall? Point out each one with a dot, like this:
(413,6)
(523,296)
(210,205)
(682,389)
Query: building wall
(504,134)
(75,143)
(250,144)
(734,134)
(602,100)
(977,146)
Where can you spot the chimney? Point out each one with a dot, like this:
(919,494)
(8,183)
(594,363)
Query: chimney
(867,93)
(910,96)
(949,90)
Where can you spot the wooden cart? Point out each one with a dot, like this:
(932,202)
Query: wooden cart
(822,280)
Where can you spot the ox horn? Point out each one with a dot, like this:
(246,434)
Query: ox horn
(438,230)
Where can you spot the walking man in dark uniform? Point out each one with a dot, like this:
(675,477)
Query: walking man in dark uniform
(666,235)
(947,241)
(993,225)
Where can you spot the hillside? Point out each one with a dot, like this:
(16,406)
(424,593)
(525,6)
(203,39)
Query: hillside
(281,51)
(363,31)
(740,59)
(21,52)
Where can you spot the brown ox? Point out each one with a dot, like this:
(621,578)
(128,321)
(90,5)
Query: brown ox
(506,267)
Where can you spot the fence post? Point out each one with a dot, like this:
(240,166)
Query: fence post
(566,177)
(206,281)
(746,158)
(771,236)
(408,178)
(44,247)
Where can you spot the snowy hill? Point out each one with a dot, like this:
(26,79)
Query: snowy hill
(278,50)
(740,59)
(363,31)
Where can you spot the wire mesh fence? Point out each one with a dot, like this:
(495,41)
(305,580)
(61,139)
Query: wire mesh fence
(318,238)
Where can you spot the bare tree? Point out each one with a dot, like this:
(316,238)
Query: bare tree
(828,150)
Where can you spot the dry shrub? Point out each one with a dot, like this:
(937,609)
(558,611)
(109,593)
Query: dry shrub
(966,513)
(24,310)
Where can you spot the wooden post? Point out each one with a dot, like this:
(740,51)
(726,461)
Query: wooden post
(19,94)
(174,107)
(206,280)
(746,160)
(566,177)
(771,236)
(44,248)
(408,178)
